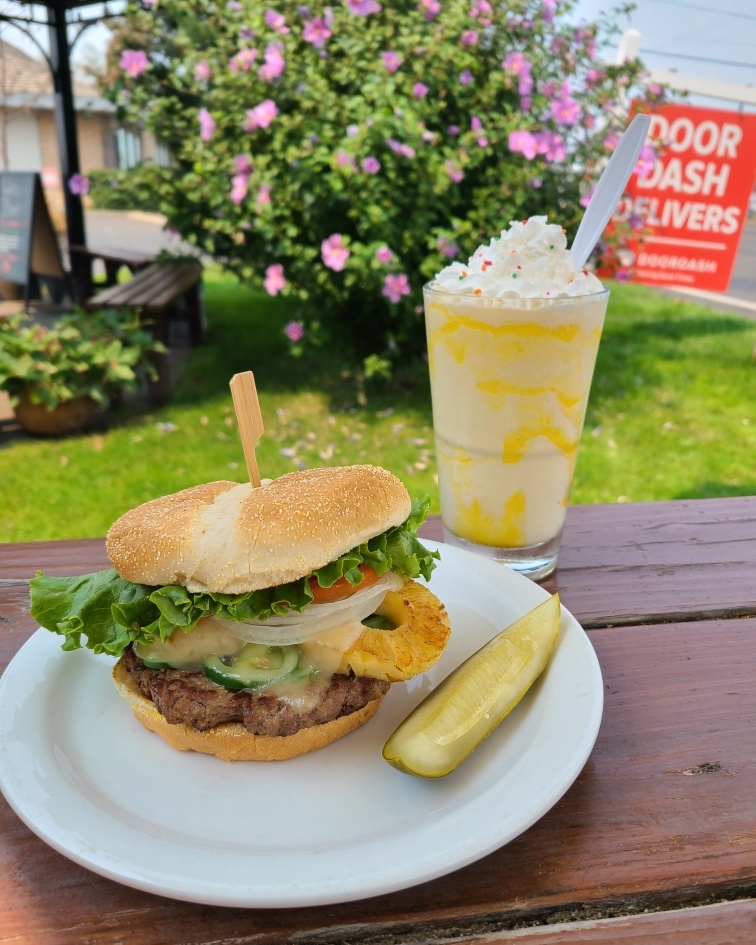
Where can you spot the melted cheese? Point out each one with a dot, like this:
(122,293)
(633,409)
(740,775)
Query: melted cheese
(186,651)
(326,650)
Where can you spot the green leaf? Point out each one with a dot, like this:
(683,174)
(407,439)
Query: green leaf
(110,612)
(86,605)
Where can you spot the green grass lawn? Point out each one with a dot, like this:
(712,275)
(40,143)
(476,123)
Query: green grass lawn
(671,416)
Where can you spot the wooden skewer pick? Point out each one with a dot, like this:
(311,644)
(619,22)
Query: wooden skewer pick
(249,419)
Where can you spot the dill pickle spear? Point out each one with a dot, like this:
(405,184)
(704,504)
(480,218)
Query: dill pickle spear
(468,705)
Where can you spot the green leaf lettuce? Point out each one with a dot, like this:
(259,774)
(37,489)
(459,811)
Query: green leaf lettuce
(111,612)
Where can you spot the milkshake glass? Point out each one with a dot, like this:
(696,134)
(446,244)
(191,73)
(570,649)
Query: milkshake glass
(512,343)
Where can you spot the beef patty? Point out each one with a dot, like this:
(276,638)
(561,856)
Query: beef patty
(196,701)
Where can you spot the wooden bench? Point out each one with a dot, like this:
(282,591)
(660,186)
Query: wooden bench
(113,260)
(160,291)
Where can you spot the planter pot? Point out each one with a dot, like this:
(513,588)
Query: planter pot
(67,417)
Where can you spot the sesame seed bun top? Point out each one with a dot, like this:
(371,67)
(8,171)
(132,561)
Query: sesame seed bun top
(229,538)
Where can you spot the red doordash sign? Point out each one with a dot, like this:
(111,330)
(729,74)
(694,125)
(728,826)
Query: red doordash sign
(693,202)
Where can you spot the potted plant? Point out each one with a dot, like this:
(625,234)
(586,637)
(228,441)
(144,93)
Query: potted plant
(58,377)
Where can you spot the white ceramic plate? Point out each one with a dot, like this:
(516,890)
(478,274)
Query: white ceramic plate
(333,826)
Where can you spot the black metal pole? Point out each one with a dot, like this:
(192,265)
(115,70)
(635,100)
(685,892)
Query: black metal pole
(65,119)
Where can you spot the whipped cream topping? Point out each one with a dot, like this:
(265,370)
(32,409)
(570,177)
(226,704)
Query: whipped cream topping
(530,260)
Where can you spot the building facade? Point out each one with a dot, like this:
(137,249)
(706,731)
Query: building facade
(28,136)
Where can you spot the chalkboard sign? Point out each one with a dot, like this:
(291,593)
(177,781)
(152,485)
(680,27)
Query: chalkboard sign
(28,244)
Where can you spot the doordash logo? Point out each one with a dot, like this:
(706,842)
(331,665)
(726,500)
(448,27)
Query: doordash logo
(693,201)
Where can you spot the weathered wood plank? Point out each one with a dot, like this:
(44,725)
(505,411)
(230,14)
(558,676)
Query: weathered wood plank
(661,816)
(655,562)
(24,559)
(729,923)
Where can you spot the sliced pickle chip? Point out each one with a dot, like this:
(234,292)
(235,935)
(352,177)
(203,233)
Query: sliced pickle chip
(450,723)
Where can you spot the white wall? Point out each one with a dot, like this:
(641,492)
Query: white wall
(24,149)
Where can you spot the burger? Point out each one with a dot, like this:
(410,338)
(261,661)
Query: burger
(259,623)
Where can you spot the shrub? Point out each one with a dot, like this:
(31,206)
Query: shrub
(95,354)
(138,188)
(344,153)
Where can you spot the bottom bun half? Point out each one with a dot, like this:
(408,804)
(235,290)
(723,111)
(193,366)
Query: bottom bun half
(230,741)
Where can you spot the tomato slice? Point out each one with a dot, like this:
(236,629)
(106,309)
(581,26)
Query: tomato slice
(341,589)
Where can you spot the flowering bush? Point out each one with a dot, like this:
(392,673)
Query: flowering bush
(343,153)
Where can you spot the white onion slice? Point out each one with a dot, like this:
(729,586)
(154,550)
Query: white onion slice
(317,618)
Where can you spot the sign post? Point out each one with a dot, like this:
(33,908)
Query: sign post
(694,202)
(28,244)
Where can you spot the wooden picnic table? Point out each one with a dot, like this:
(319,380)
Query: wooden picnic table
(654,842)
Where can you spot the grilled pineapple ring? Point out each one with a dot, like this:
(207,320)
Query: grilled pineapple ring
(421,633)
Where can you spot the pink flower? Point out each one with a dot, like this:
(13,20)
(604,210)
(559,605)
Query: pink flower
(419,90)
(476,124)
(243,164)
(261,115)
(480,7)
(207,124)
(276,21)
(465,77)
(201,71)
(536,183)
(391,61)
(547,12)
(363,7)
(334,253)
(611,141)
(516,64)
(243,60)
(586,198)
(565,110)
(431,8)
(78,185)
(469,38)
(239,188)
(523,142)
(134,61)
(453,130)
(316,32)
(371,165)
(594,77)
(646,160)
(550,145)
(263,195)
(352,131)
(274,281)
(395,285)
(344,159)
(454,171)
(383,254)
(447,247)
(399,147)
(294,331)
(274,62)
